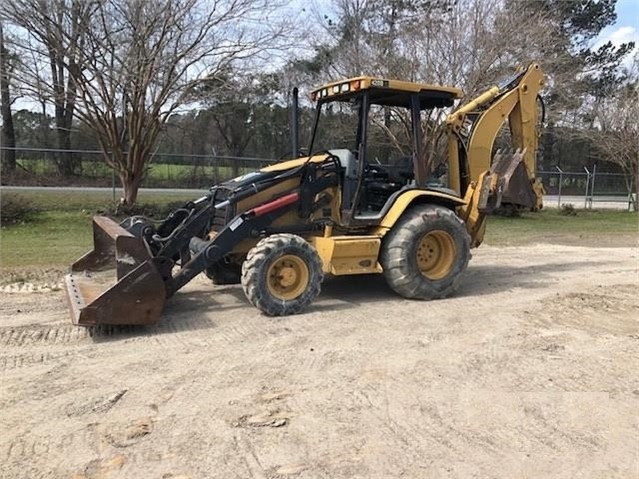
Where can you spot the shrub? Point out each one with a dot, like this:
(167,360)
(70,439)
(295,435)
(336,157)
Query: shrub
(508,211)
(15,210)
(568,209)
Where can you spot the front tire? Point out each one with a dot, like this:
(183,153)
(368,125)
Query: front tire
(282,275)
(425,253)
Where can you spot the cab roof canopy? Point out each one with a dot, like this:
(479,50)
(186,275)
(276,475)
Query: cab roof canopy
(388,92)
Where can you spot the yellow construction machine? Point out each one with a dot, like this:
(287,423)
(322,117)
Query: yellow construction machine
(356,203)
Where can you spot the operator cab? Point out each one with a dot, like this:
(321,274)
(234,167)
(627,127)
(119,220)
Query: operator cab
(374,126)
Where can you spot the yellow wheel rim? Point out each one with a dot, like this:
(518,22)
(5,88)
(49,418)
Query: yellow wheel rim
(287,277)
(436,254)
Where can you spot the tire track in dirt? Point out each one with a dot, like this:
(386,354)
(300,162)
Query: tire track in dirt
(29,335)
(23,448)
(18,361)
(543,426)
(199,331)
(233,331)
(167,332)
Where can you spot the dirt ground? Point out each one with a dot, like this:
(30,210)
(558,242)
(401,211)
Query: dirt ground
(530,371)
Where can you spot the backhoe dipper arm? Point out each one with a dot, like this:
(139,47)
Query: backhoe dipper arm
(472,129)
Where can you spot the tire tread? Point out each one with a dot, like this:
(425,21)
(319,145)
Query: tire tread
(401,271)
(253,276)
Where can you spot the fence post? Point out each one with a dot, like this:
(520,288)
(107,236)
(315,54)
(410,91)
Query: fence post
(216,169)
(561,179)
(592,187)
(587,188)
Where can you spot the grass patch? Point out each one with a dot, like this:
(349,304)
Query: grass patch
(56,238)
(587,228)
(97,201)
(15,210)
(60,231)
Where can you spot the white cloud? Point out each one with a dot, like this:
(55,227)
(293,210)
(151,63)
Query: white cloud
(624,35)
(617,36)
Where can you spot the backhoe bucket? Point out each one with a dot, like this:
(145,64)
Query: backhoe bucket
(517,187)
(117,282)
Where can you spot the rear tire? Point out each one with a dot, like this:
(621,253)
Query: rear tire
(425,253)
(282,275)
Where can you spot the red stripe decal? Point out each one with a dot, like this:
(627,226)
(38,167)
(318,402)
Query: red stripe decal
(275,204)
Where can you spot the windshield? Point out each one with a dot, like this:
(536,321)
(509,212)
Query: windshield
(389,134)
(337,126)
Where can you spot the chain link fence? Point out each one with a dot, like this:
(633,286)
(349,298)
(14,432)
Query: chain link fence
(588,188)
(38,167)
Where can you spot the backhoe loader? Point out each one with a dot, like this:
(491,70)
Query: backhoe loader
(336,211)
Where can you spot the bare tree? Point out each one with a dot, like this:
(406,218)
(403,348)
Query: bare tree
(615,135)
(8,137)
(142,59)
(51,38)
(470,44)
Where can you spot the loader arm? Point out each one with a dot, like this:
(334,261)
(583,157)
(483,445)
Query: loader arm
(145,260)
(473,128)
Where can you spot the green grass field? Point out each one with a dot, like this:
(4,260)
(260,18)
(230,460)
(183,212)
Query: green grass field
(588,228)
(61,230)
(158,173)
(93,201)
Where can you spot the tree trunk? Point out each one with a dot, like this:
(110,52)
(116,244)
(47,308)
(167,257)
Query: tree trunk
(135,160)
(62,71)
(8,139)
(130,185)
(66,161)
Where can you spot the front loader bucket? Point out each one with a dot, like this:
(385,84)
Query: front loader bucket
(117,282)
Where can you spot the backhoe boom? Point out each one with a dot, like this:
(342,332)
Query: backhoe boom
(473,128)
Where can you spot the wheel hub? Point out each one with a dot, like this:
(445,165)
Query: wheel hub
(436,254)
(287,277)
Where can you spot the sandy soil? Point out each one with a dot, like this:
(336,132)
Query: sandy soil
(530,371)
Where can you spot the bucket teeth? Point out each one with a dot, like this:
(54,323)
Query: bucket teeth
(76,300)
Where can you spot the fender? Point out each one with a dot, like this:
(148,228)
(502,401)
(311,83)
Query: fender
(411,197)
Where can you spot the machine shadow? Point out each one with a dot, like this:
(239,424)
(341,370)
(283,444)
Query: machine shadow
(352,291)
(486,279)
(357,289)
(185,311)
